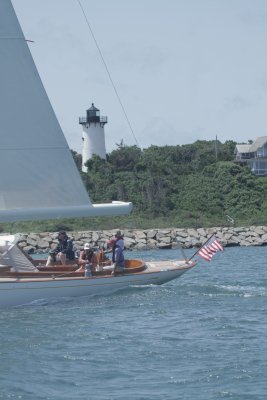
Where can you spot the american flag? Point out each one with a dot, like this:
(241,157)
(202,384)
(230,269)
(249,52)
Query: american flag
(210,248)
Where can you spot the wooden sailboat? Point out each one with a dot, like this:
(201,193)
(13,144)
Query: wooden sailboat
(21,281)
(39,180)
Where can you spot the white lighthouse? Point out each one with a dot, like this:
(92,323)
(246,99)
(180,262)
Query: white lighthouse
(93,135)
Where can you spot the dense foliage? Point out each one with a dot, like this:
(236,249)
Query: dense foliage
(191,185)
(184,186)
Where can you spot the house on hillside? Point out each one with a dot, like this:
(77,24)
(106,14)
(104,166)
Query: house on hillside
(254,155)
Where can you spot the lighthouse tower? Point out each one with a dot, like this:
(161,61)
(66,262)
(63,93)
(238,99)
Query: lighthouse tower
(93,135)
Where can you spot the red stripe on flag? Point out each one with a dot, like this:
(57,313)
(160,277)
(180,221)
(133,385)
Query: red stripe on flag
(218,244)
(204,253)
(211,247)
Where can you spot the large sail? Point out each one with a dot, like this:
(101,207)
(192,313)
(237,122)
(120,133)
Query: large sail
(38,176)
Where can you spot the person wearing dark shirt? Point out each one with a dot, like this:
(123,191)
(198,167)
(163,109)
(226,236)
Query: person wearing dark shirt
(119,239)
(117,256)
(63,251)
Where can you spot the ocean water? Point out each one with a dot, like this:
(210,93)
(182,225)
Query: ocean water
(203,336)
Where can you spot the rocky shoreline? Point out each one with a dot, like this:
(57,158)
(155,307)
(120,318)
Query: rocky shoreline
(150,239)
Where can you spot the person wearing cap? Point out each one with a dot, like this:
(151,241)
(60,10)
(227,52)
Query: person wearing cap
(63,251)
(86,255)
(117,256)
(119,239)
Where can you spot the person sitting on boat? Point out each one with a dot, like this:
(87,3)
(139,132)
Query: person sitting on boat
(63,251)
(117,256)
(87,259)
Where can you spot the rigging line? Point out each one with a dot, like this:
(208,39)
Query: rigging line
(107,70)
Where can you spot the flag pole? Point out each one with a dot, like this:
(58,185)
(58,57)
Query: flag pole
(201,247)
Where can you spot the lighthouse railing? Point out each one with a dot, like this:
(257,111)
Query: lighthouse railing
(84,120)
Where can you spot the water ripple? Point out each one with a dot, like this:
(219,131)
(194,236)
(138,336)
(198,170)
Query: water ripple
(199,337)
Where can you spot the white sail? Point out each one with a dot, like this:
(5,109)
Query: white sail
(38,176)
(13,257)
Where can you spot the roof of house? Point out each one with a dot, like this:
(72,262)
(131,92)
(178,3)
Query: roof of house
(251,148)
(260,142)
(243,148)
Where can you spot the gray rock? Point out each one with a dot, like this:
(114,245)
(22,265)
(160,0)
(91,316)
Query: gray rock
(245,243)
(193,233)
(29,249)
(203,239)
(130,234)
(264,238)
(165,239)
(140,235)
(31,241)
(129,242)
(95,236)
(181,233)
(259,230)
(164,246)
(201,232)
(238,230)
(258,241)
(42,244)
(141,246)
(234,239)
(151,243)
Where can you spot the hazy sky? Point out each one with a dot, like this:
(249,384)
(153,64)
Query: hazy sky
(184,69)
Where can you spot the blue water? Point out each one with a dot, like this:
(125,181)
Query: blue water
(203,336)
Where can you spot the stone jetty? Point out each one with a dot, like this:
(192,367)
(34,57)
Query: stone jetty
(151,238)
